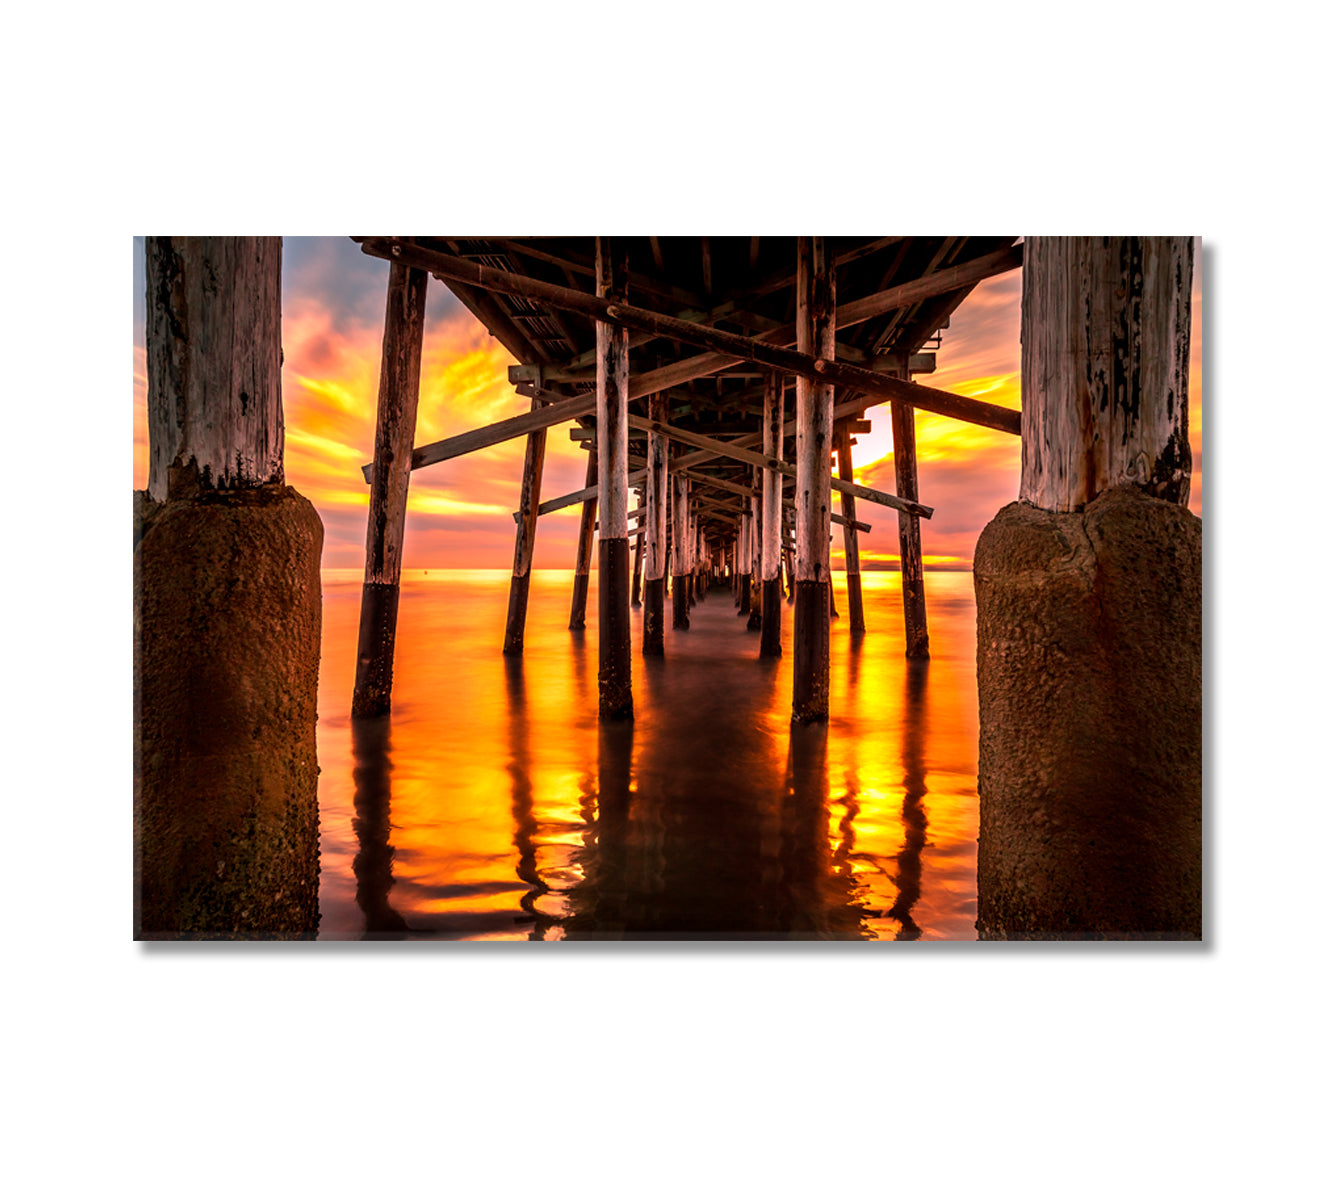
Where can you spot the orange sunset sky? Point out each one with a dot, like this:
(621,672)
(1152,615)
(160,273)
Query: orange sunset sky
(459,511)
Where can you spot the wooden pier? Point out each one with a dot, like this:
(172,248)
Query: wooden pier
(671,358)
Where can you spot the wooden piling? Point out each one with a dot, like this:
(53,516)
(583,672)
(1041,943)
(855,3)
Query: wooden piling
(395,425)
(1113,374)
(851,553)
(214,402)
(583,559)
(525,535)
(771,619)
(744,555)
(756,543)
(636,571)
(680,554)
(655,524)
(692,539)
(904,427)
(615,698)
(815,420)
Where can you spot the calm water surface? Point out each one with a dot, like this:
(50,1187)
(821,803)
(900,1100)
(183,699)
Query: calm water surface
(491,805)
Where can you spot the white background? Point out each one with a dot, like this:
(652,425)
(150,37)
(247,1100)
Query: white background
(952,1070)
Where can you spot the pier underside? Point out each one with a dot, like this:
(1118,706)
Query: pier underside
(712,381)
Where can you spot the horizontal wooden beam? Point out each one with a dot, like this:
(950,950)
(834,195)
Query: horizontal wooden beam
(500,431)
(937,283)
(739,489)
(947,404)
(686,461)
(731,450)
(729,347)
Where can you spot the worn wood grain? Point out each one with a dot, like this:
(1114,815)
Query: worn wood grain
(615,695)
(851,552)
(815,427)
(395,424)
(214,350)
(1105,368)
(525,537)
(915,639)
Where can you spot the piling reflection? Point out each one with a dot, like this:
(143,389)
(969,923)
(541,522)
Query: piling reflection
(908,877)
(521,800)
(373,866)
(817,899)
(516,814)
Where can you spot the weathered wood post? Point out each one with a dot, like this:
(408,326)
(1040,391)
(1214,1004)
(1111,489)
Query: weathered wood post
(583,558)
(756,507)
(1088,610)
(655,561)
(226,611)
(744,556)
(615,698)
(395,425)
(771,601)
(789,569)
(851,553)
(903,418)
(815,430)
(692,540)
(680,554)
(636,571)
(525,536)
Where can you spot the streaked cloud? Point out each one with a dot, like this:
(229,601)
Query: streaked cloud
(459,511)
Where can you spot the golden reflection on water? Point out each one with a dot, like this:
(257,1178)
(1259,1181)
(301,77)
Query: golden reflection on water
(491,804)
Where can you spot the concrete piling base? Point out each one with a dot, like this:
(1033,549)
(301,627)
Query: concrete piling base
(1089,691)
(227,646)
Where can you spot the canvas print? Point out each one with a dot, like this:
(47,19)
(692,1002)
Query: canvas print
(666,588)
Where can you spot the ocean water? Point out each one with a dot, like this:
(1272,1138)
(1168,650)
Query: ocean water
(492,804)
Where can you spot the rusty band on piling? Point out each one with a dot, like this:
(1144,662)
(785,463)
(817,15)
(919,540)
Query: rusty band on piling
(653,618)
(375,650)
(517,614)
(615,698)
(810,642)
(917,644)
(856,614)
(579,603)
(681,602)
(771,619)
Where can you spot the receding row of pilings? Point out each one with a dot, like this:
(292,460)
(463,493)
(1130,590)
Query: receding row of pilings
(1088,593)
(667,488)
